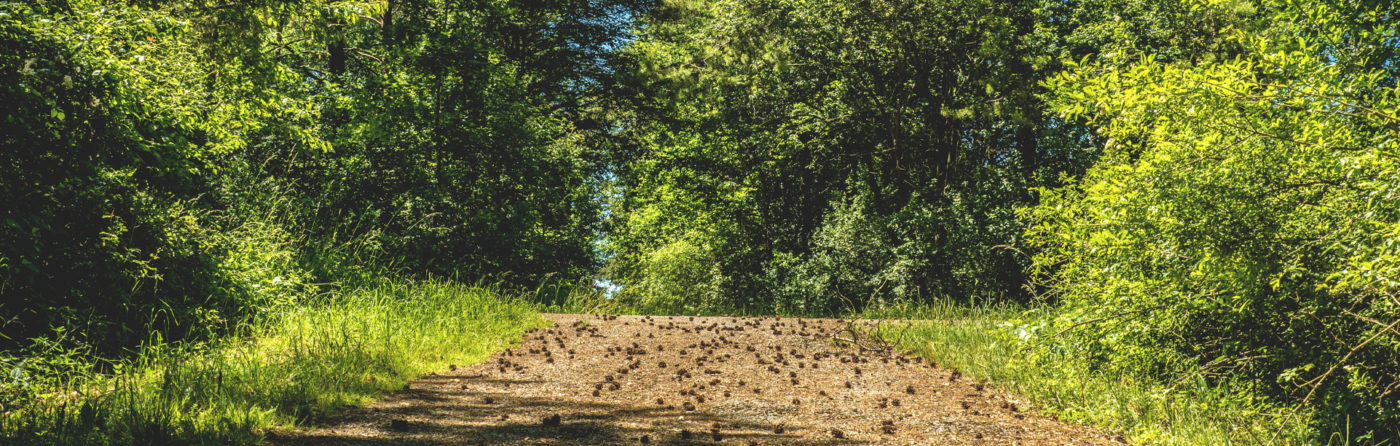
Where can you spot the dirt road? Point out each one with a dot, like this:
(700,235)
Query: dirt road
(700,380)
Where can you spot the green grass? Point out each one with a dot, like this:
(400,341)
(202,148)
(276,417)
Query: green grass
(295,365)
(980,343)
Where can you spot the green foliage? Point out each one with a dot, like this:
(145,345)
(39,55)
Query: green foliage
(305,361)
(988,344)
(824,155)
(447,138)
(1190,30)
(862,258)
(1240,223)
(103,238)
(761,127)
(176,167)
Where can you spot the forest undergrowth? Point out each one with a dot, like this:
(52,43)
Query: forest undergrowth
(989,343)
(292,366)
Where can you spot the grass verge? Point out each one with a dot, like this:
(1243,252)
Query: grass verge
(297,364)
(982,343)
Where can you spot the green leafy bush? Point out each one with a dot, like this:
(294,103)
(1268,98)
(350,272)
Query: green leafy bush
(1240,224)
(99,237)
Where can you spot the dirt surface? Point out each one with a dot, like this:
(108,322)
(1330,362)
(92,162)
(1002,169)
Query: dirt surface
(700,380)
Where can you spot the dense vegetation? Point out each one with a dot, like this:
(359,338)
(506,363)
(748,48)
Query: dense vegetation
(174,173)
(295,365)
(1142,409)
(1192,191)
(173,166)
(817,156)
(1241,223)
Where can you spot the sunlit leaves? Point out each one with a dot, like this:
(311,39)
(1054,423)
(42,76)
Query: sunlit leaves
(1234,200)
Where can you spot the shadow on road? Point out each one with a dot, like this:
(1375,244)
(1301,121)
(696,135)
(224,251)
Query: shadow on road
(438,412)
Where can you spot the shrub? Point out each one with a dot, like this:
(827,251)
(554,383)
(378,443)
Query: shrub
(1240,226)
(105,231)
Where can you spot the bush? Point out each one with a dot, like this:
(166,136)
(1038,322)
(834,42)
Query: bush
(93,233)
(1240,226)
(959,244)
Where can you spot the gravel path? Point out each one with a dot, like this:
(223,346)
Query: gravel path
(697,380)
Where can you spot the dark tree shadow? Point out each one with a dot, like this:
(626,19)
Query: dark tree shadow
(437,414)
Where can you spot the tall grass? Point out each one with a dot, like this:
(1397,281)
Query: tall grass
(982,343)
(295,364)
